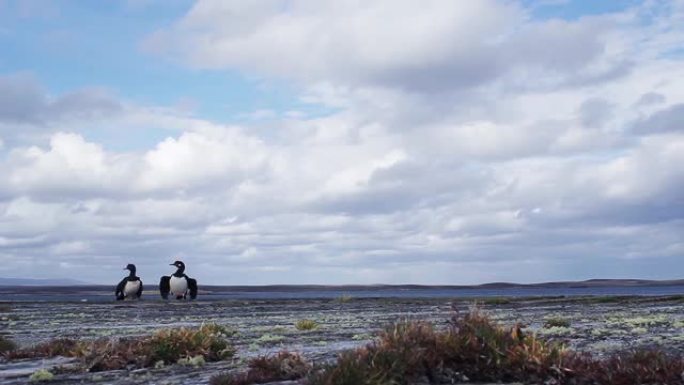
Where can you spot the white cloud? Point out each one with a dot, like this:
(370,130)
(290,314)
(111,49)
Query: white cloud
(468,142)
(435,45)
(196,160)
(23,101)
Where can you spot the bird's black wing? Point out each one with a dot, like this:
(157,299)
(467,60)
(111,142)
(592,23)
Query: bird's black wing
(192,287)
(140,289)
(165,286)
(120,290)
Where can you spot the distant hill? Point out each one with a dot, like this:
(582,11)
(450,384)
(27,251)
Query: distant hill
(40,282)
(587,283)
(492,285)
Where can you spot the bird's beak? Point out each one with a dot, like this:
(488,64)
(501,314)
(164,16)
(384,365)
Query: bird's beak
(172,264)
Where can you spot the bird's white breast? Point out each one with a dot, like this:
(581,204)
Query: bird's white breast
(131,288)
(179,285)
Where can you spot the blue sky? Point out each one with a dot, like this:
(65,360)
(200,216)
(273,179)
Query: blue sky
(342,142)
(571,10)
(77,44)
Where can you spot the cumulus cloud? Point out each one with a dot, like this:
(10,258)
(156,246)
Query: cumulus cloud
(72,166)
(434,46)
(665,120)
(594,112)
(21,99)
(467,142)
(24,101)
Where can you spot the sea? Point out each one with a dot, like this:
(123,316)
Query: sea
(106,294)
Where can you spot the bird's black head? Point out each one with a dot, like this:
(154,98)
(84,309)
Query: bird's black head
(130,267)
(180,268)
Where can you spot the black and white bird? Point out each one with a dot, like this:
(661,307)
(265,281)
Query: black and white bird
(178,285)
(130,287)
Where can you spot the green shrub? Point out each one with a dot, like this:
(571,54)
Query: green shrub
(306,324)
(41,375)
(559,322)
(172,344)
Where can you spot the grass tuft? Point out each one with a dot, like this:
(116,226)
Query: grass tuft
(207,341)
(306,324)
(283,366)
(558,322)
(475,348)
(66,347)
(270,339)
(167,346)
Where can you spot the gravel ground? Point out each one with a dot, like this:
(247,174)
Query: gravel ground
(598,325)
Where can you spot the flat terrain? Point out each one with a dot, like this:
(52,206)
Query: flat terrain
(596,324)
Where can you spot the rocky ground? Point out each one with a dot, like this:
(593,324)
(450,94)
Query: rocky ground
(596,324)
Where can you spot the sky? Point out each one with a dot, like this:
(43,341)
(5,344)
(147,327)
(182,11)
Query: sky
(342,142)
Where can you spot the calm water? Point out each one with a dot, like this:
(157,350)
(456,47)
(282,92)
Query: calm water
(100,295)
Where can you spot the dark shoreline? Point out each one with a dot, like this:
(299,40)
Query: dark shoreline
(596,289)
(592,283)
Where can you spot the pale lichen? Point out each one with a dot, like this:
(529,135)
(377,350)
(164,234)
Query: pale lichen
(556,331)
(41,375)
(196,361)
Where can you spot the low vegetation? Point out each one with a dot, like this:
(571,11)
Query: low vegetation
(556,331)
(65,347)
(164,347)
(269,339)
(608,299)
(344,298)
(306,324)
(41,375)
(6,345)
(280,367)
(208,341)
(470,348)
(474,348)
(196,361)
(496,301)
(670,298)
(559,322)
